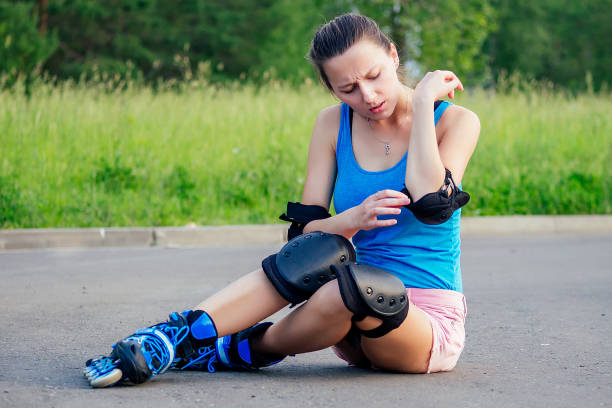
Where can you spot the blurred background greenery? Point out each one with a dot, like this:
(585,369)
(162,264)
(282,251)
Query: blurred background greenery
(554,40)
(148,112)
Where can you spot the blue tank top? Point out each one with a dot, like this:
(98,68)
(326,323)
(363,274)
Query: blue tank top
(421,255)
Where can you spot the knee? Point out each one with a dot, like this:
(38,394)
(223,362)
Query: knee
(370,292)
(302,266)
(327,301)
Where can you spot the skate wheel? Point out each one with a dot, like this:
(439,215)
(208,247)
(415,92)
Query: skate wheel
(106,380)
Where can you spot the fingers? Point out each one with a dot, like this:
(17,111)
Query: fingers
(374,213)
(386,223)
(393,202)
(452,80)
(380,195)
(440,83)
(385,211)
(450,76)
(384,202)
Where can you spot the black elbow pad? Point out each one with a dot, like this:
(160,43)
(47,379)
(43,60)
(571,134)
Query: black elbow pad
(301,214)
(436,208)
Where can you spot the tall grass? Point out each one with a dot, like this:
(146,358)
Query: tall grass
(82,155)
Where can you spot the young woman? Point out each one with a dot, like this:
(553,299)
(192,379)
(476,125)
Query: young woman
(393,159)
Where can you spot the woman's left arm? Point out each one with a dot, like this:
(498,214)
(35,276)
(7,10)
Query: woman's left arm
(459,129)
(432,149)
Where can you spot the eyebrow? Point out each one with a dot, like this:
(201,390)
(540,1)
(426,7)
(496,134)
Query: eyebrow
(352,83)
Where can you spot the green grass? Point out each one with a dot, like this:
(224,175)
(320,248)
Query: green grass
(83,156)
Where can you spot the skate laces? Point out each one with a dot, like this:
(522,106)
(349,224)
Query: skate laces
(207,357)
(156,351)
(102,365)
(174,333)
(154,348)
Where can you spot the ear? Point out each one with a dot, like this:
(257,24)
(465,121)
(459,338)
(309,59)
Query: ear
(394,54)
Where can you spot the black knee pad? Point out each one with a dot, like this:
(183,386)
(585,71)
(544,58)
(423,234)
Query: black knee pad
(302,266)
(370,291)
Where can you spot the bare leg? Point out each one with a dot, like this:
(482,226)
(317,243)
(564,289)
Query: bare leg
(405,349)
(243,303)
(319,323)
(238,306)
(324,321)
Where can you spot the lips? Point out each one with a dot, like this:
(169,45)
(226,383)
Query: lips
(378,108)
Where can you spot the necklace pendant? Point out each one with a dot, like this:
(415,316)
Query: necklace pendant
(387,149)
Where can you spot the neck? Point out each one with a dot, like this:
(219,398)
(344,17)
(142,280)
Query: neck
(402,111)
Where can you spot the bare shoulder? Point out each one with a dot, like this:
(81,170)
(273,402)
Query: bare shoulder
(321,172)
(327,124)
(458,118)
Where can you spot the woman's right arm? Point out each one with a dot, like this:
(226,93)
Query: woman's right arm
(321,173)
(320,179)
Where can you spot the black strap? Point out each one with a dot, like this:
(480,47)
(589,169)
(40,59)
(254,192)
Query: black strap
(298,212)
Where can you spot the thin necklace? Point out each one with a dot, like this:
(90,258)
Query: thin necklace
(388,143)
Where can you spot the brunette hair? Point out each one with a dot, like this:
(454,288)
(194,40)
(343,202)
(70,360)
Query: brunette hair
(338,35)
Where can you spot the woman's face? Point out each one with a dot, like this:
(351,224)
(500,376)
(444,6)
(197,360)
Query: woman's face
(365,78)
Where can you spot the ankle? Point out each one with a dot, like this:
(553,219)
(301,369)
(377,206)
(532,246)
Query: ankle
(201,326)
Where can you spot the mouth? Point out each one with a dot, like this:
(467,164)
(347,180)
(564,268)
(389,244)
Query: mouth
(378,108)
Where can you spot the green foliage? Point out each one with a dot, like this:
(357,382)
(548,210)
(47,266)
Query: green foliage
(180,184)
(287,43)
(234,38)
(11,208)
(554,40)
(453,34)
(114,176)
(81,155)
(22,48)
(223,41)
(437,34)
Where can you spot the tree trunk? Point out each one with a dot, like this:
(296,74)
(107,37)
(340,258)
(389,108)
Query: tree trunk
(42,12)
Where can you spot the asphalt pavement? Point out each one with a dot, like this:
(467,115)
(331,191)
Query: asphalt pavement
(538,330)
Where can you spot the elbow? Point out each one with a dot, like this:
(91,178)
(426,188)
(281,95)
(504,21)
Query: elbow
(438,207)
(420,183)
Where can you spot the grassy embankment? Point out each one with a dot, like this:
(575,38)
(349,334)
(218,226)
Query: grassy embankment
(77,156)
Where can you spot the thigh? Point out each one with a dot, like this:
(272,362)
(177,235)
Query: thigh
(405,349)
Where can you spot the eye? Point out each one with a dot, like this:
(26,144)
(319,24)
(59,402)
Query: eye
(350,90)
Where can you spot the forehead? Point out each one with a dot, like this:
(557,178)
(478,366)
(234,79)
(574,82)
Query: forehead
(355,62)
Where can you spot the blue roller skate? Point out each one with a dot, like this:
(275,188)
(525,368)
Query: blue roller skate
(234,352)
(186,339)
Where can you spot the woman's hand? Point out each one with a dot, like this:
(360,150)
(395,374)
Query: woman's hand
(436,85)
(365,215)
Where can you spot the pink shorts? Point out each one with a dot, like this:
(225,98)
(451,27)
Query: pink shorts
(446,310)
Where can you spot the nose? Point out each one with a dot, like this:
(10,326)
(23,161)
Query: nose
(369,95)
